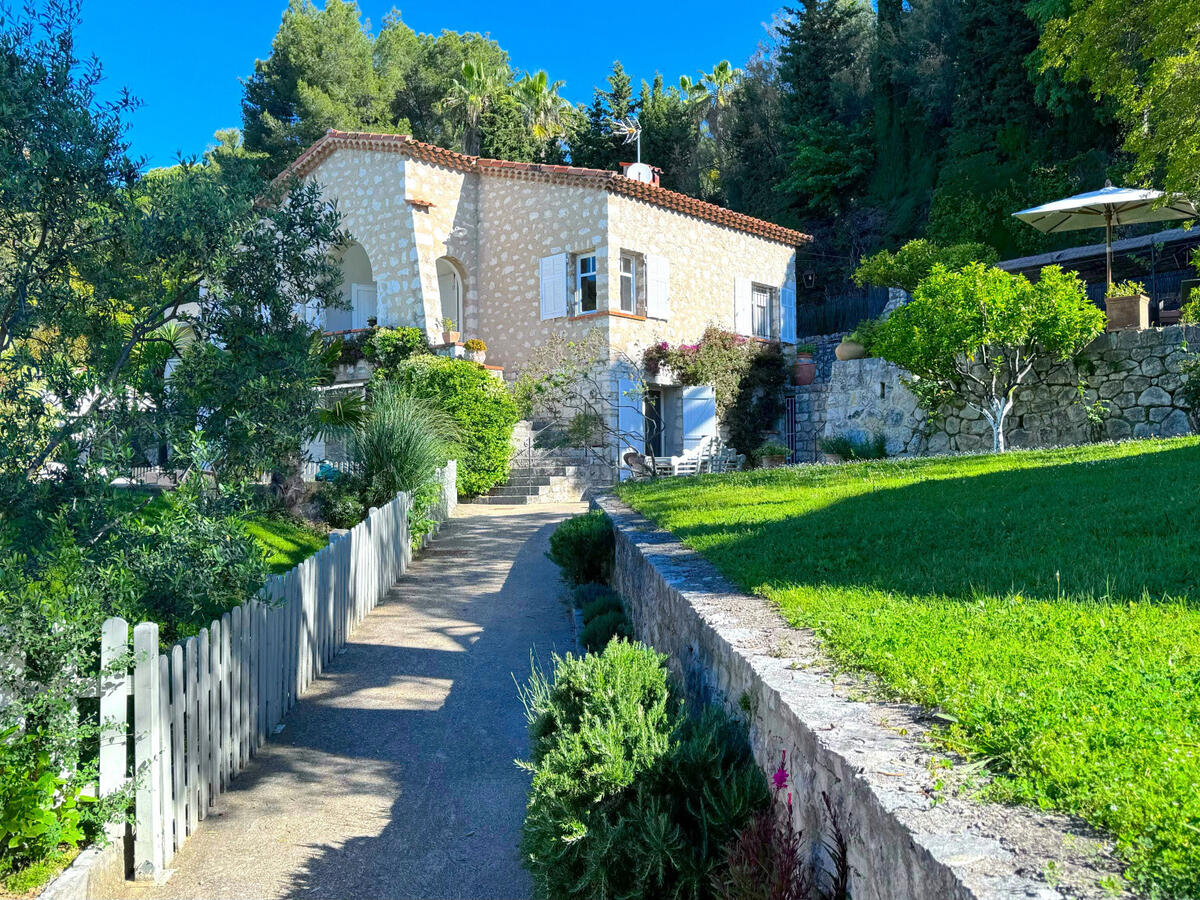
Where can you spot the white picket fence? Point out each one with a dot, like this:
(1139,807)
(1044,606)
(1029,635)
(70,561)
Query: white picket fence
(201,711)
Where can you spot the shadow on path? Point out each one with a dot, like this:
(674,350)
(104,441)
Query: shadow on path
(394,776)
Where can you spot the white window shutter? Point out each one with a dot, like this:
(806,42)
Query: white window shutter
(658,287)
(553,280)
(787,308)
(364,298)
(743,317)
(699,415)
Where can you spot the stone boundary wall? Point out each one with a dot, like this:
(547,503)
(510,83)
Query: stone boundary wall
(905,841)
(1137,374)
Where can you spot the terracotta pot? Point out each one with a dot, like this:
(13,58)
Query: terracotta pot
(477,356)
(850,350)
(450,337)
(804,370)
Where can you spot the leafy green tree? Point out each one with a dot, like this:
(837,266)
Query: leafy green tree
(980,334)
(472,93)
(912,263)
(593,142)
(755,163)
(670,135)
(320,75)
(1141,58)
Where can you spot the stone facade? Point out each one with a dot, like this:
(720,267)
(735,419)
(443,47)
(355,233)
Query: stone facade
(1136,374)
(906,840)
(409,205)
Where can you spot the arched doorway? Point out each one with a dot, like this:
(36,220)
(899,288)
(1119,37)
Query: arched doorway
(450,291)
(358,288)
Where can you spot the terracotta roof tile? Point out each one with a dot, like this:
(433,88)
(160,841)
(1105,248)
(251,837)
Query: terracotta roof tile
(614,182)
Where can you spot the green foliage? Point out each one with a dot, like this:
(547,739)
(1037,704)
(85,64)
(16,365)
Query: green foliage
(865,333)
(1125,289)
(480,405)
(606,603)
(475,345)
(771,448)
(602,628)
(38,808)
(747,378)
(420,518)
(341,503)
(387,348)
(400,443)
(851,448)
(977,333)
(913,262)
(1140,58)
(583,547)
(1018,604)
(630,797)
(590,591)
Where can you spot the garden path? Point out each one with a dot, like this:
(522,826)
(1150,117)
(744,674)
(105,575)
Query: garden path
(394,775)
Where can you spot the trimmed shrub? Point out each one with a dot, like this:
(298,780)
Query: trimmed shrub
(583,547)
(583,594)
(387,348)
(482,407)
(631,797)
(340,502)
(606,602)
(602,628)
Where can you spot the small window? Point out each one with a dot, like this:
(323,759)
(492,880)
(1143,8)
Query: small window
(628,283)
(585,283)
(762,307)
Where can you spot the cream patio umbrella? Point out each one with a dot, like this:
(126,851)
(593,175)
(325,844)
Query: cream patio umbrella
(1105,208)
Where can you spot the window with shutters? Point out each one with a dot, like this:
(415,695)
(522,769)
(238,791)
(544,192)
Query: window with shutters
(762,310)
(628,283)
(585,283)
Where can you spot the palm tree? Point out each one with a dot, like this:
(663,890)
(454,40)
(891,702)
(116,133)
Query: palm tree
(712,93)
(474,90)
(543,108)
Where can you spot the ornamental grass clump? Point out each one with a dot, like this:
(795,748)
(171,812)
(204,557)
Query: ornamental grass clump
(631,797)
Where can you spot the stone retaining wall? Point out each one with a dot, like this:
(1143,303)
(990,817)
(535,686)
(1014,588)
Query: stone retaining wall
(1135,374)
(906,841)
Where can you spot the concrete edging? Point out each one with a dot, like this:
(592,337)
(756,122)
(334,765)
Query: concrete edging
(96,872)
(907,841)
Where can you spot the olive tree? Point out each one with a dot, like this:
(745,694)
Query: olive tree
(976,334)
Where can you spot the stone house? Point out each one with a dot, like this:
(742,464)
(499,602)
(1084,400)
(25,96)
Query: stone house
(515,253)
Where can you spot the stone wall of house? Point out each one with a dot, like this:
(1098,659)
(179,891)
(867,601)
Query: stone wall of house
(705,261)
(1135,374)
(905,840)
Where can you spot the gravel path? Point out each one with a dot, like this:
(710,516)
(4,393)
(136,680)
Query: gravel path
(394,776)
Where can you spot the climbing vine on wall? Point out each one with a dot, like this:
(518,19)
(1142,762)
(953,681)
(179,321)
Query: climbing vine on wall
(747,378)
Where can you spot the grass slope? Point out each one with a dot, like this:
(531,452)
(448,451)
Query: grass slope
(287,543)
(1047,601)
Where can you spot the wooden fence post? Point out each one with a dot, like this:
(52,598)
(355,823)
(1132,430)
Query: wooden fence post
(114,706)
(192,732)
(148,834)
(178,766)
(166,809)
(204,722)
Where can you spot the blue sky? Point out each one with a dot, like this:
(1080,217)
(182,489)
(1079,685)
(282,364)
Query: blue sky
(183,60)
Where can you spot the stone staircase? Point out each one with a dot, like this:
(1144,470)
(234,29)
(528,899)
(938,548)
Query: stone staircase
(546,476)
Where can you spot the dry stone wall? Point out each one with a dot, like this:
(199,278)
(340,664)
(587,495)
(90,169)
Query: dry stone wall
(906,841)
(1136,375)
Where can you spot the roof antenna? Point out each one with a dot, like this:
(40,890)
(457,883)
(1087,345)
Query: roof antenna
(631,130)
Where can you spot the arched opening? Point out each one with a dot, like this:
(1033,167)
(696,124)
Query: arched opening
(358,289)
(450,291)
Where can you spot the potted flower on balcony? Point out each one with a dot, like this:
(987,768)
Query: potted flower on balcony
(1127,306)
(804,370)
(772,455)
(476,350)
(450,334)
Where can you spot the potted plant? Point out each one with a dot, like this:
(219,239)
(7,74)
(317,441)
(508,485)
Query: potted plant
(1127,306)
(857,344)
(449,333)
(772,455)
(804,370)
(476,350)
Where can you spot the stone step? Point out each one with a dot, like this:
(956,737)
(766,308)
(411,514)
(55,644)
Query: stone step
(541,471)
(531,480)
(504,501)
(514,490)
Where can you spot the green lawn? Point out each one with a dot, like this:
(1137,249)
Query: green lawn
(1046,601)
(288,543)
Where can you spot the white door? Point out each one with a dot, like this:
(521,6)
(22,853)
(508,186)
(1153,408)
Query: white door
(364,299)
(631,424)
(699,415)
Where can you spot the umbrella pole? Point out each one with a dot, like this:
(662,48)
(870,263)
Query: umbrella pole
(1108,243)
